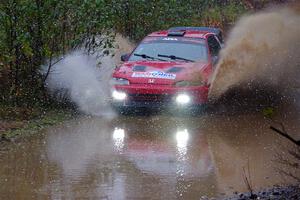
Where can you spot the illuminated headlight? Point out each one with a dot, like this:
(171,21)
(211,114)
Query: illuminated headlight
(120,81)
(183,99)
(119,95)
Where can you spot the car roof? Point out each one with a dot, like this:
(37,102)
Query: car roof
(188,33)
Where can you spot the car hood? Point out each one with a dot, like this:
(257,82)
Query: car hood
(159,72)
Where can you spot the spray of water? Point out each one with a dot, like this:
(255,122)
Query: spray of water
(262,50)
(84,79)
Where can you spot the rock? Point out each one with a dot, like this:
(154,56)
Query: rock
(253,196)
(275,193)
(294,197)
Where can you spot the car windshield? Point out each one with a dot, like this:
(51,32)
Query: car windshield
(170,49)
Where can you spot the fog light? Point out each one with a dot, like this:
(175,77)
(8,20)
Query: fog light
(119,95)
(183,99)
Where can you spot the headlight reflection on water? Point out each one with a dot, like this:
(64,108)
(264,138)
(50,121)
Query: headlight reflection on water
(182,138)
(118,137)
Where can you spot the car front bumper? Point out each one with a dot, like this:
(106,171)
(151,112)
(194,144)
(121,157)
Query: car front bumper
(157,96)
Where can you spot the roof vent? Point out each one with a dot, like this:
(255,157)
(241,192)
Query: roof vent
(176,33)
(216,31)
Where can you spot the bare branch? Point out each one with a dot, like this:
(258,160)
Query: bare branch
(284,134)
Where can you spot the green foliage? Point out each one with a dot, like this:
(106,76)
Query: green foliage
(269,112)
(35,31)
(135,18)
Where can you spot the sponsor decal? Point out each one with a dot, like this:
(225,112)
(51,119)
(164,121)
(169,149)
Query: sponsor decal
(154,74)
(174,39)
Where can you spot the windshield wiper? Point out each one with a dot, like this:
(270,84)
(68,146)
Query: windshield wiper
(149,57)
(175,57)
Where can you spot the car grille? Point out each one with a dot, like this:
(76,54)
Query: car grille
(149,97)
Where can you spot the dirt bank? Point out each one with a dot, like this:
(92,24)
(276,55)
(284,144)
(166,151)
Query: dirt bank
(19,122)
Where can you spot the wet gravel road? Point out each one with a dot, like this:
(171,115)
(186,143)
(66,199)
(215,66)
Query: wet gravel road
(148,157)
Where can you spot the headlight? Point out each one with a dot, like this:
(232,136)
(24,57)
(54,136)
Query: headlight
(183,99)
(119,95)
(120,81)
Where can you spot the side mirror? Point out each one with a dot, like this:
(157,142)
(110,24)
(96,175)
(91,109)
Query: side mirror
(215,60)
(124,57)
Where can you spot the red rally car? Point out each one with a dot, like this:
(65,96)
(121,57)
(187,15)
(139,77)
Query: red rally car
(168,68)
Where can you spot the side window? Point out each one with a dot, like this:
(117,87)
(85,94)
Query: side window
(214,45)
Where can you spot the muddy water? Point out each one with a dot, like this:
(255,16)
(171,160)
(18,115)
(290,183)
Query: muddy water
(147,157)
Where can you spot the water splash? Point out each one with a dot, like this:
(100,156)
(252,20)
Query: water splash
(261,52)
(84,79)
